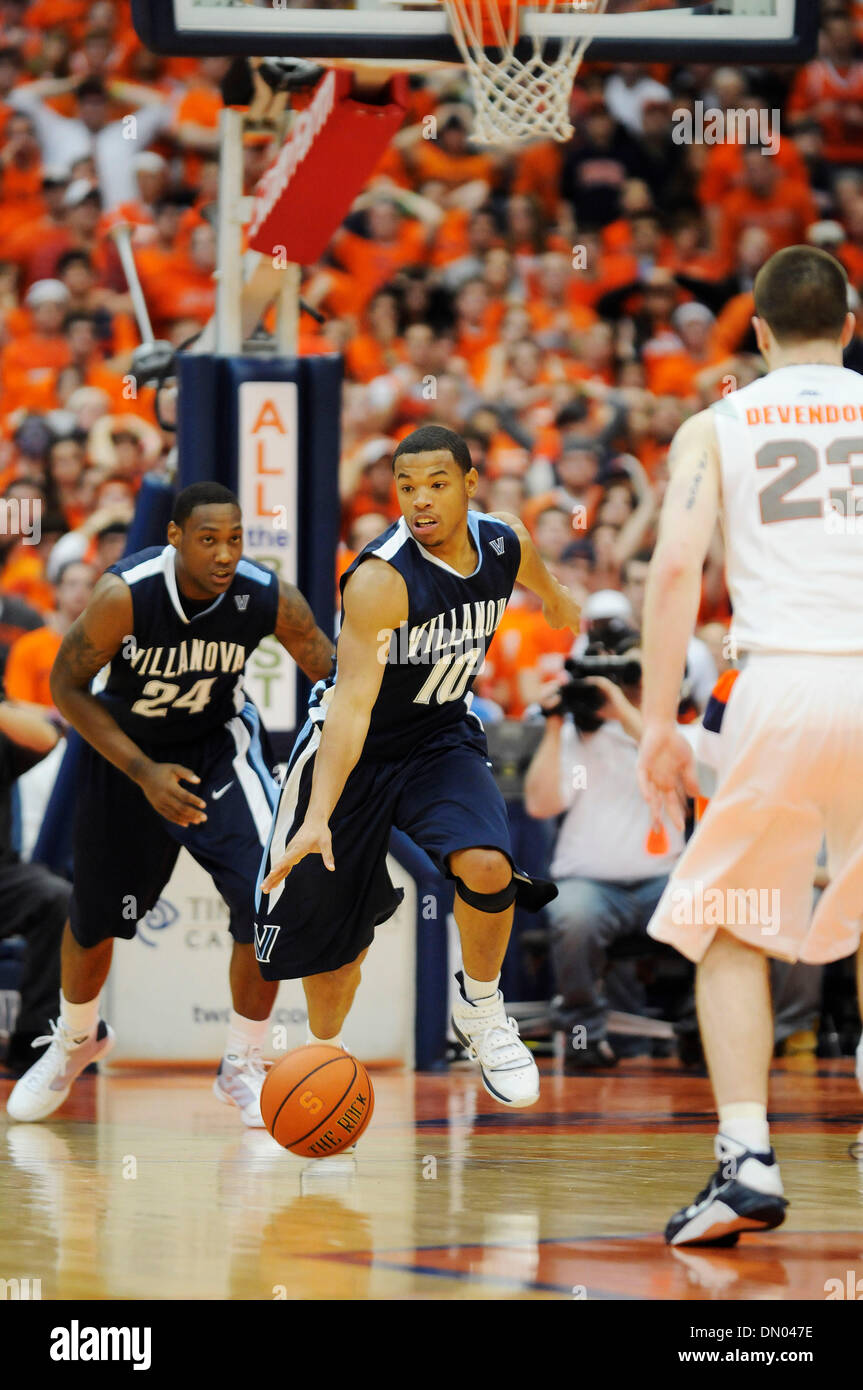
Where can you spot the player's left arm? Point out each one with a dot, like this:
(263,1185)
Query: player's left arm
(300,635)
(666,769)
(560,608)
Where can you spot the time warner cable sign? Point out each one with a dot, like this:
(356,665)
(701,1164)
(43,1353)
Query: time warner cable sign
(268,497)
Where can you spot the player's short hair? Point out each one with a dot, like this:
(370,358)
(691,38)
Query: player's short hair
(801,293)
(201,495)
(429,439)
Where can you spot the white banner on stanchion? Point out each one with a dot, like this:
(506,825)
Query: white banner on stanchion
(268,480)
(168,999)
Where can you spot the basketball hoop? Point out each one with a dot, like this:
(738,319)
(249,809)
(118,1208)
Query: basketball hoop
(517,99)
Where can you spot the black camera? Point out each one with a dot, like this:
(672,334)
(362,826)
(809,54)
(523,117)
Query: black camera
(610,656)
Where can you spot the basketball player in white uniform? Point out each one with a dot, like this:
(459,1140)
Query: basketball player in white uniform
(780,463)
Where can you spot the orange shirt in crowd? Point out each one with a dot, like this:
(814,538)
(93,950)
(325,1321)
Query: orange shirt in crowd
(432,163)
(617,241)
(451,240)
(29,366)
(135,212)
(651,455)
(153,261)
(28,669)
(723,169)
(570,318)
(24,575)
(181,291)
(822,82)
(523,642)
(200,105)
(391,166)
(70,15)
(537,174)
(784,216)
(372,263)
(474,340)
(16,321)
(732,325)
(21,200)
(577,371)
(674,375)
(535,506)
(366,358)
(361,503)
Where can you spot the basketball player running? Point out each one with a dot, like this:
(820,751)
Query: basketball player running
(779,463)
(175,626)
(391,741)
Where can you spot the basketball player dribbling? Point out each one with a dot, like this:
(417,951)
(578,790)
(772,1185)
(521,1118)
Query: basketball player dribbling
(391,741)
(780,463)
(174,625)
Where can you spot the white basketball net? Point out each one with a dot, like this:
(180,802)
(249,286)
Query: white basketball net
(517,100)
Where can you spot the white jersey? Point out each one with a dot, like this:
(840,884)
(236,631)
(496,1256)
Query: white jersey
(791,454)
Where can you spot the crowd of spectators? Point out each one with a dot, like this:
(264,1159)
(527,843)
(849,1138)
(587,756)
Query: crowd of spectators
(564,307)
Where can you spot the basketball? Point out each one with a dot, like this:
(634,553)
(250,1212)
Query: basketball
(317,1100)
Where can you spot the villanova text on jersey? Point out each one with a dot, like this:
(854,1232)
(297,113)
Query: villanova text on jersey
(179,674)
(431,660)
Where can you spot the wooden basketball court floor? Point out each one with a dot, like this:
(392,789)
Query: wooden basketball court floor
(144,1186)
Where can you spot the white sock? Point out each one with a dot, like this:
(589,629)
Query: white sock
(479,989)
(79,1020)
(312,1041)
(245,1032)
(746,1122)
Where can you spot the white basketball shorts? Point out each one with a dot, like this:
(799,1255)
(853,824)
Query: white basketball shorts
(789,765)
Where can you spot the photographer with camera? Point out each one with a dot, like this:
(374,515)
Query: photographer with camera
(608,882)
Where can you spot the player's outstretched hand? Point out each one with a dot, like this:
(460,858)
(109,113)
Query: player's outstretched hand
(162,786)
(313,837)
(562,610)
(666,772)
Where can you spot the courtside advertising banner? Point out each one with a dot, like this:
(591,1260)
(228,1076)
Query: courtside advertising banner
(267,466)
(181,953)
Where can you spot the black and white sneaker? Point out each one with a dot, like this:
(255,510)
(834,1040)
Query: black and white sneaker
(509,1072)
(744,1194)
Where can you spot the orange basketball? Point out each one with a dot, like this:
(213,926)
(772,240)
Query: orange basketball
(317,1100)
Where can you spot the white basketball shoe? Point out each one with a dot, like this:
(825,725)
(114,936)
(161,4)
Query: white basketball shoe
(239,1080)
(43,1088)
(509,1072)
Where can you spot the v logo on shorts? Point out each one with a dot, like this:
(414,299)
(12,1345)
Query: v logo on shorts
(265,940)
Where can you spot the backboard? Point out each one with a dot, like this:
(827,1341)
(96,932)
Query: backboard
(725,31)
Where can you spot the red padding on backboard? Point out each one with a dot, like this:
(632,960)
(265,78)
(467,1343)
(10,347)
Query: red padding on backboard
(330,154)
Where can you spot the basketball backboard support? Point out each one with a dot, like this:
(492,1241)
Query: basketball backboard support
(725,31)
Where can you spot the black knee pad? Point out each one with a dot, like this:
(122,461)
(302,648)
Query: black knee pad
(488,902)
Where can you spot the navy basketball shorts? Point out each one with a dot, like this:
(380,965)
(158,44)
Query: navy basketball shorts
(442,795)
(124,851)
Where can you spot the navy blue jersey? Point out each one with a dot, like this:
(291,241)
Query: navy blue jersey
(177,678)
(431,661)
